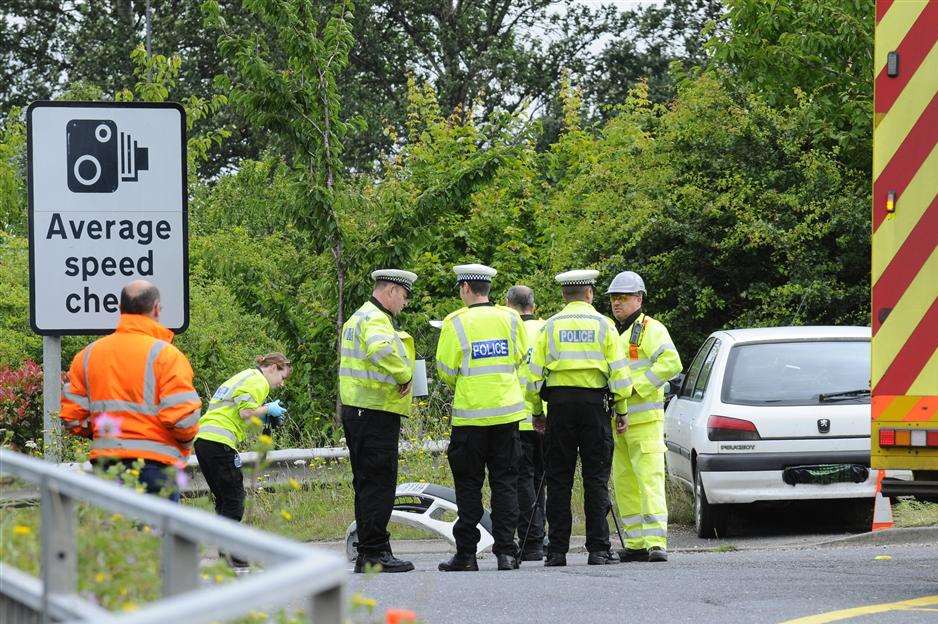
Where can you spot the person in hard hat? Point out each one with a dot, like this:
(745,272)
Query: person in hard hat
(577,362)
(481,351)
(638,460)
(131,392)
(375,373)
(520,298)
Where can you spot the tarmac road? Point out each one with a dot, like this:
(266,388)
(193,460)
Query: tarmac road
(770,584)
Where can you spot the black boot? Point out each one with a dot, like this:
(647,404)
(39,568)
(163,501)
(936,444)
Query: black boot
(633,554)
(556,560)
(382,562)
(532,554)
(601,557)
(460,563)
(657,553)
(507,562)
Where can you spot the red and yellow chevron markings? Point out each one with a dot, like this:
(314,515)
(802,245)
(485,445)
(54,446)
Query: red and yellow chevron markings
(905,241)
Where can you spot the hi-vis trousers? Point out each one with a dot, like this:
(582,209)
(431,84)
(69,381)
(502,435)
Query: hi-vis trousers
(638,479)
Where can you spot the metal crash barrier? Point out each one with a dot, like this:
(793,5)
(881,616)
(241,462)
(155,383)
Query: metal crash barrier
(293,571)
(425,506)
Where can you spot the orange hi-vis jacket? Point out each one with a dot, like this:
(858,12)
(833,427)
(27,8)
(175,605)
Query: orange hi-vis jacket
(132,393)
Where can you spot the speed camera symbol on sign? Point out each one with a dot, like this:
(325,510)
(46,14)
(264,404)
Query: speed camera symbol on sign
(99,157)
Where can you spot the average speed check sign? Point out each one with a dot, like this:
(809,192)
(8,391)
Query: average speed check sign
(107,205)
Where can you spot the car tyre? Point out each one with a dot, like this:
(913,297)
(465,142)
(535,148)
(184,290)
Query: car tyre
(709,520)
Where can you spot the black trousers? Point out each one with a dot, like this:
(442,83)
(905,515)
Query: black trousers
(372,437)
(578,426)
(222,472)
(530,478)
(471,451)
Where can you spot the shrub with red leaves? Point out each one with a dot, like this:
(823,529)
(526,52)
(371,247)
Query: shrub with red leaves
(21,403)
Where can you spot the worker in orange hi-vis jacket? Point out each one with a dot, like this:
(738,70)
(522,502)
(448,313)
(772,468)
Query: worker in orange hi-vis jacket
(131,392)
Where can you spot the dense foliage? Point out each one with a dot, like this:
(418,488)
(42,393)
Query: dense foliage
(734,182)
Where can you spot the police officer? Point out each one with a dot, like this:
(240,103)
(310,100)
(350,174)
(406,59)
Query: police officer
(638,461)
(531,466)
(577,361)
(375,374)
(481,349)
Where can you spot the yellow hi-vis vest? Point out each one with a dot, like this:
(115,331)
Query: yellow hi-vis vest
(579,348)
(653,360)
(532,328)
(481,351)
(375,360)
(222,422)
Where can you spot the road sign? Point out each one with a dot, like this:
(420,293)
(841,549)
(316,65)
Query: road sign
(107,205)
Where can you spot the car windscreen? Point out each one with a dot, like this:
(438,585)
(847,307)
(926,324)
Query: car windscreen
(798,373)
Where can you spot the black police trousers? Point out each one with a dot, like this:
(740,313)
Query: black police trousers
(372,437)
(222,472)
(471,451)
(530,478)
(578,425)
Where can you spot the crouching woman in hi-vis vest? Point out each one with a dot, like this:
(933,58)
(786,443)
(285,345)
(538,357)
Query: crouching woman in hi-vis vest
(223,428)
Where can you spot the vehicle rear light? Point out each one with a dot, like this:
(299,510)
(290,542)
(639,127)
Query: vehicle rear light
(932,438)
(724,428)
(903,437)
(918,437)
(887,437)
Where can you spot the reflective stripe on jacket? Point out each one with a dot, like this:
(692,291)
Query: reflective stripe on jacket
(652,362)
(480,353)
(375,360)
(579,348)
(143,384)
(532,327)
(222,422)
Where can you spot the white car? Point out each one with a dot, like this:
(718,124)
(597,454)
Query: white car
(772,414)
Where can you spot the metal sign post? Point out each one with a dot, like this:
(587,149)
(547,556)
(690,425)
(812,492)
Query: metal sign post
(108,204)
(51,397)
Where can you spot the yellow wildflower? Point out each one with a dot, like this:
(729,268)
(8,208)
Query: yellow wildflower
(266,440)
(219,578)
(256,421)
(116,517)
(294,483)
(22,529)
(361,601)
(100,577)
(147,529)
(129,606)
(286,515)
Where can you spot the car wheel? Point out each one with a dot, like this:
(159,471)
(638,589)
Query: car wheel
(709,520)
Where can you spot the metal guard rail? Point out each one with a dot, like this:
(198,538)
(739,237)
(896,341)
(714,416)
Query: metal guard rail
(293,571)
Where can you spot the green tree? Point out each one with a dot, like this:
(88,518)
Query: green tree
(819,52)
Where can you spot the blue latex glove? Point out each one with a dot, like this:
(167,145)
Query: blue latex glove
(275,413)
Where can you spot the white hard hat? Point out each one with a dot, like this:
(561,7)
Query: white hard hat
(626,282)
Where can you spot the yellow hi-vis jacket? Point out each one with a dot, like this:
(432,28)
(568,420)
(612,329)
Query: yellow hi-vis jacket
(653,360)
(579,348)
(375,360)
(481,353)
(222,422)
(532,327)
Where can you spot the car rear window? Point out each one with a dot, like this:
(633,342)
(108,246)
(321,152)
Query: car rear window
(797,373)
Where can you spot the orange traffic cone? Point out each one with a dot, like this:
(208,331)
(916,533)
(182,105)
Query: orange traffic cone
(882,508)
